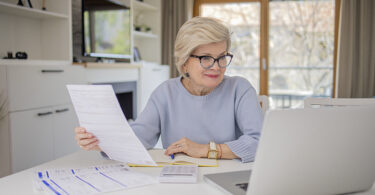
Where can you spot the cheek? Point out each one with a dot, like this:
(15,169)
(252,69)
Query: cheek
(223,71)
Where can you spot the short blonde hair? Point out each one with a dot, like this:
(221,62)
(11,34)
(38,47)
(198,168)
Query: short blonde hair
(195,32)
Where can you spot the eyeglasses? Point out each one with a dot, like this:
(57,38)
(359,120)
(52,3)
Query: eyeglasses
(208,61)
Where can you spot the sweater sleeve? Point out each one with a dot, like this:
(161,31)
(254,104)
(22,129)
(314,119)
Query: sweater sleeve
(147,126)
(249,119)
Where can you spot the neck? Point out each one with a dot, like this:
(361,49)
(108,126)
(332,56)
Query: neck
(195,89)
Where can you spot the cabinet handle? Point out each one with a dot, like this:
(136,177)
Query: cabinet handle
(52,71)
(156,69)
(44,113)
(62,110)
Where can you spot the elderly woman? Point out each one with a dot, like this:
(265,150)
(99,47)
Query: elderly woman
(201,113)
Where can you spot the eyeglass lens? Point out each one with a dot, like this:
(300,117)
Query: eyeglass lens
(208,61)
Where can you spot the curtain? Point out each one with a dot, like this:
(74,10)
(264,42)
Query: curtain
(356,57)
(174,15)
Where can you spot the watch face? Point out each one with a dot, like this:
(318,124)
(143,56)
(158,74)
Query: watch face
(212,154)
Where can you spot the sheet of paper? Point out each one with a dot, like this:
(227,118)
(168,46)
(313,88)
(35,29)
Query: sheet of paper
(99,112)
(90,180)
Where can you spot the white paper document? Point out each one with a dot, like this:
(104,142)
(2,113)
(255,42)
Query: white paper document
(99,112)
(90,180)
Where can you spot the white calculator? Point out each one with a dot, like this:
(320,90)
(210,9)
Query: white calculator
(179,174)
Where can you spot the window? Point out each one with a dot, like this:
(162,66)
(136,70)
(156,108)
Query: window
(285,48)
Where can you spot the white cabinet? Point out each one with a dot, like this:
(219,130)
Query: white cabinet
(39,118)
(48,82)
(152,75)
(31,138)
(41,135)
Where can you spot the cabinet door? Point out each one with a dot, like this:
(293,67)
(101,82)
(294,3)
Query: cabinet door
(31,138)
(65,120)
(39,86)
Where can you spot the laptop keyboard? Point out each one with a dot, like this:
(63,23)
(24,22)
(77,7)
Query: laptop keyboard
(243,185)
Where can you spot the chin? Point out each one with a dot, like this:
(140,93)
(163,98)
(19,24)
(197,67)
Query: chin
(212,83)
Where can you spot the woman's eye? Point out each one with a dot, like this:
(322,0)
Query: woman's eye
(206,58)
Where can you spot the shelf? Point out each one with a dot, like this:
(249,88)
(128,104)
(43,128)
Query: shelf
(109,65)
(29,12)
(140,6)
(15,62)
(138,34)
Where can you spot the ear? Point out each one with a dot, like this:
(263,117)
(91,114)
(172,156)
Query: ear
(184,67)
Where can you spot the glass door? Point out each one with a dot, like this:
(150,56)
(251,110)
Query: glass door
(244,20)
(301,48)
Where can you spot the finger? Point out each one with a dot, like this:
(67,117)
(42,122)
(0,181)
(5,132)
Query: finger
(79,130)
(174,150)
(172,146)
(175,145)
(84,136)
(85,142)
(91,146)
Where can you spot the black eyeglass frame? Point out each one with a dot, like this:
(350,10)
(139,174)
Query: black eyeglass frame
(215,60)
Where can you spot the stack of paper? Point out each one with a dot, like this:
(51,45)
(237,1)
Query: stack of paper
(90,180)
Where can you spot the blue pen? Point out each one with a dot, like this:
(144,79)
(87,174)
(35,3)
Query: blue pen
(172,156)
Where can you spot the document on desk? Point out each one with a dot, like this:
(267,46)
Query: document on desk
(89,180)
(99,112)
(179,159)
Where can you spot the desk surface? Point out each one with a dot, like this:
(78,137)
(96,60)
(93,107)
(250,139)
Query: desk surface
(21,182)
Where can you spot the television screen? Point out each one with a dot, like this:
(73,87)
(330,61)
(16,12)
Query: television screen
(106,29)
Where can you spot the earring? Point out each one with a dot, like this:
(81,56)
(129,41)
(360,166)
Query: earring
(187,74)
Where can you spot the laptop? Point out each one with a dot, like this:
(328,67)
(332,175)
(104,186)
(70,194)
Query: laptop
(309,151)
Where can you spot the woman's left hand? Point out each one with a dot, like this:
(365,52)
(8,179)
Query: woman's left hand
(188,147)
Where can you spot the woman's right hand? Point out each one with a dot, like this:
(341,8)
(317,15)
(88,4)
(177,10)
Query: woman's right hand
(85,140)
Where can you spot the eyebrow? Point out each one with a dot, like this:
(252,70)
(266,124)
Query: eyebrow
(208,54)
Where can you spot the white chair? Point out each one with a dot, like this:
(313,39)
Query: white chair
(264,103)
(337,102)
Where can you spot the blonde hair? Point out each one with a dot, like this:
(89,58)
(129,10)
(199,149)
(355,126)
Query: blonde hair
(195,32)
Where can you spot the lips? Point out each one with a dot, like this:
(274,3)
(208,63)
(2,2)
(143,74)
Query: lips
(214,76)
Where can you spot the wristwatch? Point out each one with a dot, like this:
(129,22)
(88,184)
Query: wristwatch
(212,151)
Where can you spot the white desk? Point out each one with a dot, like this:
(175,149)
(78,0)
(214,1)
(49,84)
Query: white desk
(20,183)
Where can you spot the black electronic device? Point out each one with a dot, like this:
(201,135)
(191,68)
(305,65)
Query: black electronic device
(21,55)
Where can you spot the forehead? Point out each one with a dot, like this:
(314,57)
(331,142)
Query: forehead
(212,48)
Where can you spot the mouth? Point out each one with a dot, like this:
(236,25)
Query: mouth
(214,76)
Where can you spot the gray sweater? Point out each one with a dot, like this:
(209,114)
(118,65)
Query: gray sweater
(230,114)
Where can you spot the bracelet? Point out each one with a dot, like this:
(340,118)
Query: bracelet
(221,151)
